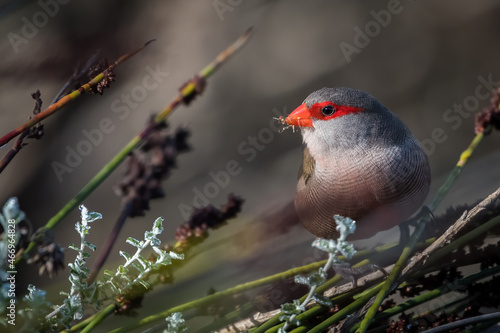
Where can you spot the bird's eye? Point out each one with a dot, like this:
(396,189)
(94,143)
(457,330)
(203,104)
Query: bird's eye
(328,110)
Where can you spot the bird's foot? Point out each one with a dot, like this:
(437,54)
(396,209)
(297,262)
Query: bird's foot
(404,228)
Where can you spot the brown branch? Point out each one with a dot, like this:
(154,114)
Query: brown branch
(467,218)
(260,318)
(68,98)
(35,132)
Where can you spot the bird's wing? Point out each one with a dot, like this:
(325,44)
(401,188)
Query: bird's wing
(307,167)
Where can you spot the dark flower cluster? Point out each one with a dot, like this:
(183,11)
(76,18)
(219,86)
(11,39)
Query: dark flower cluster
(148,166)
(389,303)
(490,116)
(486,294)
(445,276)
(490,256)
(199,87)
(36,132)
(49,256)
(109,76)
(196,228)
(408,324)
(195,231)
(127,305)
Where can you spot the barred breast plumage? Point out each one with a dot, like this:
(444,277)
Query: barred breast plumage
(360,161)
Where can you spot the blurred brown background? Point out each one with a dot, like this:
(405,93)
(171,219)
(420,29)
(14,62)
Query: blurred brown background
(420,61)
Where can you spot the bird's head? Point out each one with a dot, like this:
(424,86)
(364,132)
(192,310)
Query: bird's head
(338,118)
(331,103)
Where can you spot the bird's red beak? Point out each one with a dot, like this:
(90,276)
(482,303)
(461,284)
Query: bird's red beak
(300,117)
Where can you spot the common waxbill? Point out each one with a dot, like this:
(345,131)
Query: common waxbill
(360,161)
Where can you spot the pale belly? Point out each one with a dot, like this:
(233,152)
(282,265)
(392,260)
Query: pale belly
(377,198)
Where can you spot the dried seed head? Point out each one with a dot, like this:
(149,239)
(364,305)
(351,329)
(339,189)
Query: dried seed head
(49,256)
(109,76)
(148,166)
(281,121)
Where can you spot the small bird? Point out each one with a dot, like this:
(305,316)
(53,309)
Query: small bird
(360,161)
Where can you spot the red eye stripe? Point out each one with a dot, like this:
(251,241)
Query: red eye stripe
(340,110)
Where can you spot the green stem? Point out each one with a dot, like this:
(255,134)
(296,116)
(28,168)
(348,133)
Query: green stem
(275,322)
(85,192)
(302,329)
(235,290)
(438,255)
(280,276)
(188,90)
(481,328)
(402,307)
(393,276)
(465,239)
(455,173)
(184,307)
(347,310)
(420,299)
(99,318)
(451,327)
(380,250)
(229,318)
(314,311)
(81,325)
